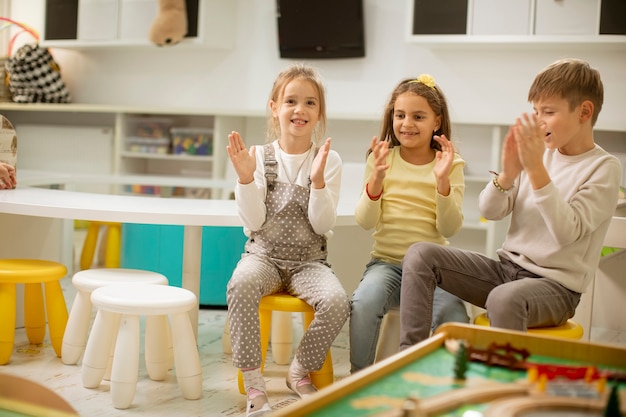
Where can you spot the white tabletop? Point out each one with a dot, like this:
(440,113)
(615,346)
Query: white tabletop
(63,204)
(27,199)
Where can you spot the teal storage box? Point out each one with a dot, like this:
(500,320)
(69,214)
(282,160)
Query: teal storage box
(159,248)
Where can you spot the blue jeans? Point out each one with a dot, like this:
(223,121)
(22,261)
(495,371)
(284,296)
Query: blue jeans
(378,291)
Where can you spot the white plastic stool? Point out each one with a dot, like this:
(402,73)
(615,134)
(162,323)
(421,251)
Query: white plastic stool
(125,303)
(389,338)
(75,337)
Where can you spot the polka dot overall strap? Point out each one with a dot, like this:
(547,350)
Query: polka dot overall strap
(287,233)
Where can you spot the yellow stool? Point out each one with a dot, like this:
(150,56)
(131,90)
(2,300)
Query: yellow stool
(569,330)
(289,303)
(32,273)
(112,249)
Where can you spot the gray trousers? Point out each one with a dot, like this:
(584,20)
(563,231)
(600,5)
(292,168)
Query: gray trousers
(312,281)
(514,298)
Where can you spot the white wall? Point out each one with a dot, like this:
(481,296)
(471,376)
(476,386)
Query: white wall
(482,84)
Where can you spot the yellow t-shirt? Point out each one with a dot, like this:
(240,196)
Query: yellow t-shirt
(410,209)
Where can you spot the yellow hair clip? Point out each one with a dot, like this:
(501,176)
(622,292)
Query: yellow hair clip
(425,79)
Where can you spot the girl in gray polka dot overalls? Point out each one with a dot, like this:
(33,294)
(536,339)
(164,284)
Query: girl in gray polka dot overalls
(287,193)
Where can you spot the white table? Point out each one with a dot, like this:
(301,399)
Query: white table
(27,200)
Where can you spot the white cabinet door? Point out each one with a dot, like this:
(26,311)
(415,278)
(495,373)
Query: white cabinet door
(136,17)
(497,17)
(571,17)
(97,20)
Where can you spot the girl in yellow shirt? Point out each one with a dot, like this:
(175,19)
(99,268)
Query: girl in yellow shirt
(413,192)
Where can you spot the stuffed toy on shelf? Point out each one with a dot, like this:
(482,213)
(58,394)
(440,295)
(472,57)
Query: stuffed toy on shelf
(170,25)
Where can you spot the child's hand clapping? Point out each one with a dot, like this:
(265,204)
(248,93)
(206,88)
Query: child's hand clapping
(380,150)
(243,161)
(444,157)
(319,164)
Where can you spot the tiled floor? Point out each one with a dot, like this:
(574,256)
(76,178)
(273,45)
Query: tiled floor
(220,395)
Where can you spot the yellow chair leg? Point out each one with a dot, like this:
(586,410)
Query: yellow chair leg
(89,245)
(34,315)
(7,323)
(112,257)
(112,238)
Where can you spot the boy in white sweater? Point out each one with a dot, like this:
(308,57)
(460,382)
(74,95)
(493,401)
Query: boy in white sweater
(560,189)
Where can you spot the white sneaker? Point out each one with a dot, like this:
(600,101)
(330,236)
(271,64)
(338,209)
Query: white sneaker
(258,406)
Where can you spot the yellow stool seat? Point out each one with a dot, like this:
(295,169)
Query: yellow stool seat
(112,248)
(32,273)
(288,303)
(569,330)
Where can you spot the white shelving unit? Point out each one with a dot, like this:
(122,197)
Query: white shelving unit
(70,122)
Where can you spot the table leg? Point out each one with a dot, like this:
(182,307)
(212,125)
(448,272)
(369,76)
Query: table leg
(192,254)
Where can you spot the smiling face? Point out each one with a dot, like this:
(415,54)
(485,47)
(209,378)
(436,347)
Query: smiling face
(564,126)
(414,121)
(297,111)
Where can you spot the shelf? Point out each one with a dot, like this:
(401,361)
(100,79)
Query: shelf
(120,44)
(614,126)
(167,156)
(134,110)
(534,42)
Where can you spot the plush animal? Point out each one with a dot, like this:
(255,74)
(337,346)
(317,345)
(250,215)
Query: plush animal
(170,25)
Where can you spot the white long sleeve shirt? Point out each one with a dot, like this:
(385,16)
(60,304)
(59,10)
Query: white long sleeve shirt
(322,203)
(557,231)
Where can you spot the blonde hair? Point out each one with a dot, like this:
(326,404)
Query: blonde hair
(302,72)
(571,79)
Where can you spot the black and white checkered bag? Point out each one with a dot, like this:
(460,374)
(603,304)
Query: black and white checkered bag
(35,77)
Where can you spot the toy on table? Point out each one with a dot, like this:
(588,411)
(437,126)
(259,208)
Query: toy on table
(460,363)
(170,25)
(508,356)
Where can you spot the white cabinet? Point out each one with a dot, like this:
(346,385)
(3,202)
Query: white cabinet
(87,24)
(517,23)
